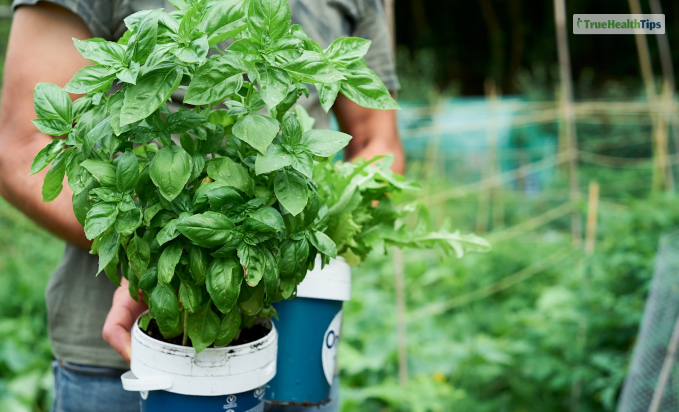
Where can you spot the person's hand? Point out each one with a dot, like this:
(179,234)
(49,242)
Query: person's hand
(124,312)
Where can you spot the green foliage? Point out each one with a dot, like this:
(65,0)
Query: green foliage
(187,226)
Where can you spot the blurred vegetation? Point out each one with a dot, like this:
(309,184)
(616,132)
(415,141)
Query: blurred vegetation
(532,347)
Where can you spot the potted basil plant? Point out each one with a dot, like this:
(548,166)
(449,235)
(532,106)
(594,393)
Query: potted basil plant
(203,209)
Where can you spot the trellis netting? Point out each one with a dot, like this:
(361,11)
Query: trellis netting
(652,383)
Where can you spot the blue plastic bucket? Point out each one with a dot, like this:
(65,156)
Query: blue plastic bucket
(163,401)
(309,328)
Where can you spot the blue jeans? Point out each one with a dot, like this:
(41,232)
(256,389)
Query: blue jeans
(83,388)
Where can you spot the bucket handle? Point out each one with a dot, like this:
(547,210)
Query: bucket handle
(132,383)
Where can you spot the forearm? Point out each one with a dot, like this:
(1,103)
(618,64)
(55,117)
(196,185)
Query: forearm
(25,193)
(374,132)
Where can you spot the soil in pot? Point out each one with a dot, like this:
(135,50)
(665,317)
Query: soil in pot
(252,334)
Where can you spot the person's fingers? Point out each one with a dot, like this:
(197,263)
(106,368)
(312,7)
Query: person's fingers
(124,311)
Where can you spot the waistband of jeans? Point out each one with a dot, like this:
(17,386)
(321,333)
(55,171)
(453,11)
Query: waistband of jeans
(90,370)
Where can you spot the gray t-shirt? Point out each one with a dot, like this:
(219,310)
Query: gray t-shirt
(77,300)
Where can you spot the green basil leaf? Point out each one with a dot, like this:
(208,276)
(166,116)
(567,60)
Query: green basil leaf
(327,94)
(164,307)
(254,305)
(270,274)
(303,162)
(245,49)
(276,157)
(51,102)
(193,52)
(253,259)
(287,48)
(313,67)
(128,221)
(160,54)
(223,282)
(170,171)
(191,20)
(149,280)
(91,79)
(81,202)
(229,327)
(218,78)
(190,296)
(99,218)
(268,19)
(168,233)
(129,75)
(323,243)
(225,20)
(294,255)
(199,260)
(52,127)
(101,52)
(53,184)
(127,171)
(309,44)
(151,91)
(104,172)
(224,199)
(203,327)
(183,120)
(145,35)
(198,166)
(105,194)
(256,130)
(291,190)
(78,177)
(101,131)
(273,83)
(108,250)
(168,261)
(270,217)
(139,255)
(47,155)
(226,171)
(347,50)
(325,143)
(133,285)
(365,88)
(209,229)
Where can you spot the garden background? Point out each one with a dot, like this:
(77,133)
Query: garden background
(545,322)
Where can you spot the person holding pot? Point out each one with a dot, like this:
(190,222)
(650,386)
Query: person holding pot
(89,320)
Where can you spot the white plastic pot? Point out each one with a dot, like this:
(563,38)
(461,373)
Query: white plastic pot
(178,369)
(333,282)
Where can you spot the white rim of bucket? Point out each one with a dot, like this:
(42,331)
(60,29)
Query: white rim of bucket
(158,365)
(333,282)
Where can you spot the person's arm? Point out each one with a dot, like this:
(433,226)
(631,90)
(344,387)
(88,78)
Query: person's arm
(374,132)
(40,50)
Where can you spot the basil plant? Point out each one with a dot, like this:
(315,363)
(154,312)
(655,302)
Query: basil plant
(212,211)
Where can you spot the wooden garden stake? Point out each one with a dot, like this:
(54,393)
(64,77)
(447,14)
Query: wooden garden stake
(401,317)
(592,211)
(569,115)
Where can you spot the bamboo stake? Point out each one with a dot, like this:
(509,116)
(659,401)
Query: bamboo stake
(567,99)
(659,136)
(401,318)
(592,210)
